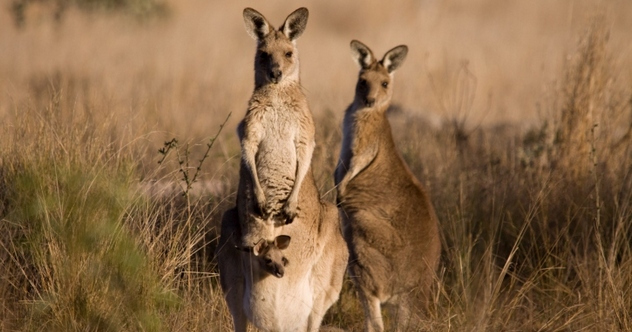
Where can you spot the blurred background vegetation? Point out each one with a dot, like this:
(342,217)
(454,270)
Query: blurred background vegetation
(139,9)
(516,116)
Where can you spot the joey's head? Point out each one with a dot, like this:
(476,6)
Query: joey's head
(374,88)
(276,60)
(270,257)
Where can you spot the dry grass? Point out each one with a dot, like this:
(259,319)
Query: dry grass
(515,115)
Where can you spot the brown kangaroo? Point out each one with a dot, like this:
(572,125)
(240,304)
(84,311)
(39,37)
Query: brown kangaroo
(388,221)
(277,136)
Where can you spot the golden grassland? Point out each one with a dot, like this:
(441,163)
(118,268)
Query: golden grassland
(516,116)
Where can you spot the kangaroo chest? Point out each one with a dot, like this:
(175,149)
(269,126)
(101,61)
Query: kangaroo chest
(278,122)
(276,155)
(364,133)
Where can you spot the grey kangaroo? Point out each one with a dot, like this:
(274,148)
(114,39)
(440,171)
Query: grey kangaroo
(277,196)
(389,223)
(277,133)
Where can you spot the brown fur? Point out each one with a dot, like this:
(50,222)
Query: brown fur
(312,281)
(277,137)
(389,223)
(271,259)
(277,133)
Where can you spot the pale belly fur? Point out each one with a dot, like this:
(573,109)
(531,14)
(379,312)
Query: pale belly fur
(276,167)
(274,304)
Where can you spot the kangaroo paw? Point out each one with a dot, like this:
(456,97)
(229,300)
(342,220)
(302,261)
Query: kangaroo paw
(290,211)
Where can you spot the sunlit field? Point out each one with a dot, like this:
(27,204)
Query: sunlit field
(118,155)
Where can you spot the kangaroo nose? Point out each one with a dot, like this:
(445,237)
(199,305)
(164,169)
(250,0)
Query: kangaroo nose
(369,102)
(275,75)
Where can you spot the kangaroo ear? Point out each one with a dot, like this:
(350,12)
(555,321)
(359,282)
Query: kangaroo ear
(259,248)
(295,23)
(362,54)
(282,241)
(394,58)
(256,24)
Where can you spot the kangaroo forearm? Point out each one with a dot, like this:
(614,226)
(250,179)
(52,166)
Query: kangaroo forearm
(302,166)
(357,164)
(249,162)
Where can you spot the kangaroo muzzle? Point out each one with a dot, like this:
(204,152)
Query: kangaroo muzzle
(275,75)
(369,102)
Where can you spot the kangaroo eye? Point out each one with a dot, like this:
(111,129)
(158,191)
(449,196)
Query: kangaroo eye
(268,261)
(362,83)
(385,84)
(288,54)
